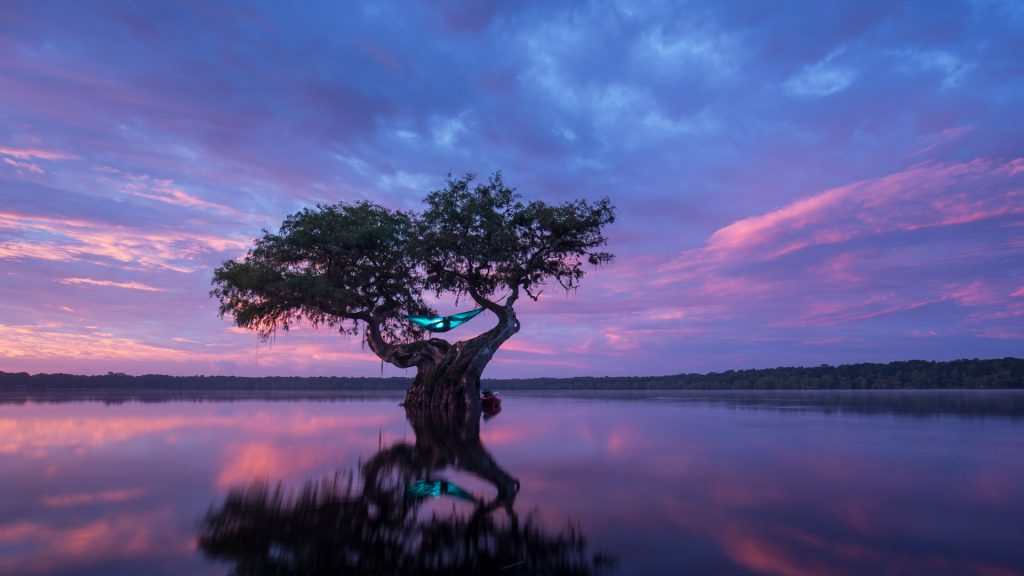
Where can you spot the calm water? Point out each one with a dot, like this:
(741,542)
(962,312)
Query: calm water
(616,483)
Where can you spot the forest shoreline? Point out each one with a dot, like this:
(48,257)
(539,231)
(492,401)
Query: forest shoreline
(966,374)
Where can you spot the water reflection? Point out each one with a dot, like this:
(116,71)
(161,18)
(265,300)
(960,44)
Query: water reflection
(376,522)
(702,483)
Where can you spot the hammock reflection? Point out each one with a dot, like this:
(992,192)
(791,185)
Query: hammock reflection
(369,524)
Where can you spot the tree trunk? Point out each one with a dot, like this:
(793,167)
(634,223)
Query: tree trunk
(447,375)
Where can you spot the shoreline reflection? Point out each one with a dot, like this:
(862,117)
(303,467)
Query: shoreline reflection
(1005,404)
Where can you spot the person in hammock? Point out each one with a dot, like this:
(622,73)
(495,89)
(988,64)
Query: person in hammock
(444,323)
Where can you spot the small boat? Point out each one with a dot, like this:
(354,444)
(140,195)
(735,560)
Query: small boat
(490,401)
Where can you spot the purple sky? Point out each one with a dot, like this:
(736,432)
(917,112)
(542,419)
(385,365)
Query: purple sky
(797,183)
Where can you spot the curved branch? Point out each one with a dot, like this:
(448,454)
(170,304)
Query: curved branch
(402,355)
(513,296)
(488,304)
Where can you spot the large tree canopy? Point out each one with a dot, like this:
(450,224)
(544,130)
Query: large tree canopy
(333,265)
(345,264)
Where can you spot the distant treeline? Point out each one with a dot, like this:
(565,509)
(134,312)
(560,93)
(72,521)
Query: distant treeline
(915,374)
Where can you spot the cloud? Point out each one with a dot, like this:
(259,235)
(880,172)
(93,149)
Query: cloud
(69,240)
(160,189)
(36,154)
(57,341)
(821,79)
(447,131)
(26,159)
(93,348)
(128,285)
(711,51)
(858,254)
(932,142)
(923,196)
(18,166)
(952,68)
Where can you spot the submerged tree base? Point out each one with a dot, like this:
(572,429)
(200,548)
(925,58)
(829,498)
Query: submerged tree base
(457,399)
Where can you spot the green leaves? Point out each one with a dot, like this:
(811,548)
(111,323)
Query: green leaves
(332,265)
(344,263)
(484,239)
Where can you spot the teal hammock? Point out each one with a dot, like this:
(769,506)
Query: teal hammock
(443,323)
(436,488)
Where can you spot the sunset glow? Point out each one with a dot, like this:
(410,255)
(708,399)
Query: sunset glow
(793,186)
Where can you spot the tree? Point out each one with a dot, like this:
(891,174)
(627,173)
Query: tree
(361,268)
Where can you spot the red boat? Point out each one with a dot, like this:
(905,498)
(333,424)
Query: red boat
(490,402)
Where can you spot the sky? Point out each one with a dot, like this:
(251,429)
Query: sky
(796,183)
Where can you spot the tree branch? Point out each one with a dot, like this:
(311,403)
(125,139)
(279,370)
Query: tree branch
(402,355)
(513,296)
(484,302)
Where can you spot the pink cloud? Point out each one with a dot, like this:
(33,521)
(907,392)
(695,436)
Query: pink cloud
(161,190)
(950,194)
(56,341)
(934,141)
(526,347)
(128,285)
(839,268)
(18,166)
(77,240)
(546,362)
(755,230)
(35,154)
(976,294)
(844,312)
(853,255)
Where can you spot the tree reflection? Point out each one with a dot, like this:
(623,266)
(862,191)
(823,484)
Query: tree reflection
(369,524)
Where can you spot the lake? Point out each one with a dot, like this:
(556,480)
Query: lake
(789,483)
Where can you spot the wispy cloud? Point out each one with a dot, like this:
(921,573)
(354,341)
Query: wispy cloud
(932,142)
(28,159)
(128,285)
(951,67)
(96,348)
(820,80)
(924,196)
(27,166)
(161,190)
(36,154)
(859,254)
(56,239)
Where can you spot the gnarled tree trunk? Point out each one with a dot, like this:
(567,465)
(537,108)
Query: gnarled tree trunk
(447,375)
